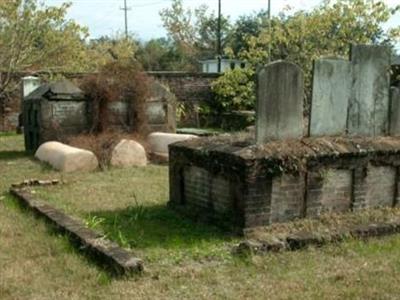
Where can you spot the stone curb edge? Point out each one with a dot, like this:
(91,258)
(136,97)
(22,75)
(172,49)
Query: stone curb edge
(302,240)
(120,261)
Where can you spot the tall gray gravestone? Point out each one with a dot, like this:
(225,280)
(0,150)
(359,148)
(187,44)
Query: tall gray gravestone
(331,92)
(369,103)
(280,92)
(394,111)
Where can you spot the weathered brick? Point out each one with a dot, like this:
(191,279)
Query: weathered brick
(334,193)
(380,186)
(287,201)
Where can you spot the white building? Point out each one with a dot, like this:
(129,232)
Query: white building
(211,65)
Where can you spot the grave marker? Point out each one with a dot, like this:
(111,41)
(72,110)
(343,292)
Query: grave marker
(330,96)
(280,92)
(369,104)
(394,111)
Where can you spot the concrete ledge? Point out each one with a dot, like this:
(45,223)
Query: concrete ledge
(302,240)
(120,261)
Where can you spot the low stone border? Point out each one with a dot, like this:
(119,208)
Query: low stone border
(120,261)
(35,182)
(301,240)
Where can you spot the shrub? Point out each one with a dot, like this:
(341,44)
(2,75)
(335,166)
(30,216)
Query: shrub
(102,144)
(118,81)
(234,91)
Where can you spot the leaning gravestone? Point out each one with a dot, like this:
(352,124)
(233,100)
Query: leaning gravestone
(330,96)
(280,92)
(369,103)
(394,111)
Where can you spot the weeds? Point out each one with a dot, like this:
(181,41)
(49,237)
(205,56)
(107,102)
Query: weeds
(94,222)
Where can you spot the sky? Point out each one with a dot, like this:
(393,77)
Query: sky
(104,17)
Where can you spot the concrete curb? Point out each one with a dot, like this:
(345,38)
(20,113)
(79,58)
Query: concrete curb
(302,240)
(119,260)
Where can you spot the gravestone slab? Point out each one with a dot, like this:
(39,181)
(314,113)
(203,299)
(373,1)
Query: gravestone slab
(369,103)
(330,96)
(280,92)
(394,111)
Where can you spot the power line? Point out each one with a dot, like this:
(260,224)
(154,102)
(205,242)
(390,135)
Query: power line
(125,9)
(270,30)
(219,37)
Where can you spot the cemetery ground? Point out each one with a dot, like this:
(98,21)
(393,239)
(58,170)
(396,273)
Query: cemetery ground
(182,259)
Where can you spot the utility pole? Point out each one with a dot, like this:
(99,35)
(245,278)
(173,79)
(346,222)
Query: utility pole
(125,9)
(219,37)
(270,30)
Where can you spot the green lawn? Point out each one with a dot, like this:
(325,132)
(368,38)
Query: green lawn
(182,259)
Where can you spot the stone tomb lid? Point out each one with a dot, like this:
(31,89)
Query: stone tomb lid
(58,90)
(244,147)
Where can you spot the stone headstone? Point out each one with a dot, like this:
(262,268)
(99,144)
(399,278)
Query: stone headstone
(280,92)
(330,96)
(369,103)
(394,111)
(128,153)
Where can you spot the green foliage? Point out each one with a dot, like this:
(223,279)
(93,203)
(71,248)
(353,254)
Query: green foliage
(235,90)
(245,27)
(302,37)
(110,49)
(327,30)
(162,55)
(93,222)
(36,37)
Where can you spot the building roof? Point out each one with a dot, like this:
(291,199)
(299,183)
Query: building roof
(58,90)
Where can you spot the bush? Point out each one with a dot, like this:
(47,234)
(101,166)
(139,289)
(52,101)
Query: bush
(234,91)
(102,144)
(118,81)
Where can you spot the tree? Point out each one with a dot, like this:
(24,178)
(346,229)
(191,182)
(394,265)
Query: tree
(194,31)
(106,49)
(245,27)
(161,54)
(328,30)
(35,37)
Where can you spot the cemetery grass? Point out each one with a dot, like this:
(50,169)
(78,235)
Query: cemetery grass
(182,259)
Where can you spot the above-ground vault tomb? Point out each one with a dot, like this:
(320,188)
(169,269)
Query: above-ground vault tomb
(53,111)
(347,160)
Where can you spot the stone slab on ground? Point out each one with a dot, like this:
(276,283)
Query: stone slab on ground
(128,153)
(159,142)
(369,103)
(197,131)
(304,239)
(116,258)
(280,93)
(330,96)
(65,158)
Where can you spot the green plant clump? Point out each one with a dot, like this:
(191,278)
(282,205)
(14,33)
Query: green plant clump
(234,91)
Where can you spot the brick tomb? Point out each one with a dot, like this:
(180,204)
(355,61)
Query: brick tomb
(345,157)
